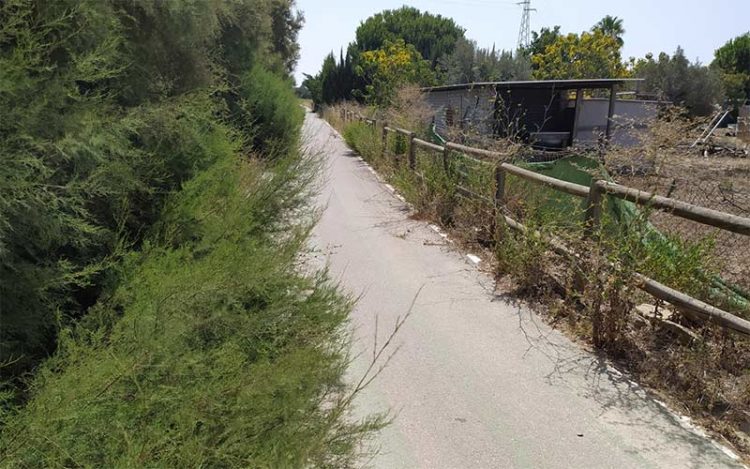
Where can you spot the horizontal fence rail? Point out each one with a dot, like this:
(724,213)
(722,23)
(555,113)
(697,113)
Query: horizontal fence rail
(475,151)
(658,290)
(428,145)
(692,305)
(594,196)
(563,186)
(707,216)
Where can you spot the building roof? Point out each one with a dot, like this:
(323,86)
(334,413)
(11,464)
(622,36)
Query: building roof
(540,84)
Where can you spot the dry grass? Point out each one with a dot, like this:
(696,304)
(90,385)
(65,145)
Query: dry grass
(409,111)
(665,165)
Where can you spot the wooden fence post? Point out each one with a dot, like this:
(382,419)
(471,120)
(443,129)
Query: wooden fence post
(385,139)
(412,152)
(593,211)
(499,186)
(592,221)
(446,155)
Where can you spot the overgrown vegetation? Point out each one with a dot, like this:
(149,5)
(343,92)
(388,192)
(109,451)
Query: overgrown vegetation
(212,351)
(698,366)
(108,107)
(153,311)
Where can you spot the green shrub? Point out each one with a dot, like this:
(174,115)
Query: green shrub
(153,314)
(85,198)
(271,114)
(363,139)
(106,111)
(214,352)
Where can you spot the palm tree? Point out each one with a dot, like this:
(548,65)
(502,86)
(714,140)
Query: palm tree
(611,26)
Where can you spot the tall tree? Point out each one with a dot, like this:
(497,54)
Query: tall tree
(504,66)
(286,23)
(433,36)
(329,80)
(469,63)
(611,26)
(675,78)
(394,65)
(588,55)
(732,61)
(460,66)
(542,39)
(336,80)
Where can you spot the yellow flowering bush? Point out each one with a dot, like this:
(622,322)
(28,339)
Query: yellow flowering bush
(588,55)
(387,69)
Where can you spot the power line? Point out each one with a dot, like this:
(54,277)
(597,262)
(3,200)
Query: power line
(475,3)
(524,34)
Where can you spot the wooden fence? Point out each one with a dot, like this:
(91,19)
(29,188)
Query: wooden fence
(743,124)
(594,196)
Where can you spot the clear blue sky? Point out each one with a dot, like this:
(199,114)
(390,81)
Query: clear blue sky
(700,27)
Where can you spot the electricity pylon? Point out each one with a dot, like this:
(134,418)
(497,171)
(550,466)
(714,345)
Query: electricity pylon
(524,34)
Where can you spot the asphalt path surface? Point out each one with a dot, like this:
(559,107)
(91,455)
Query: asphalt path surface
(478,381)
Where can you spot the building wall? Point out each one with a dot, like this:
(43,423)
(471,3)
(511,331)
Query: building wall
(524,111)
(630,119)
(474,108)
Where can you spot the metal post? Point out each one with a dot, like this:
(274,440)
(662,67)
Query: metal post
(412,152)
